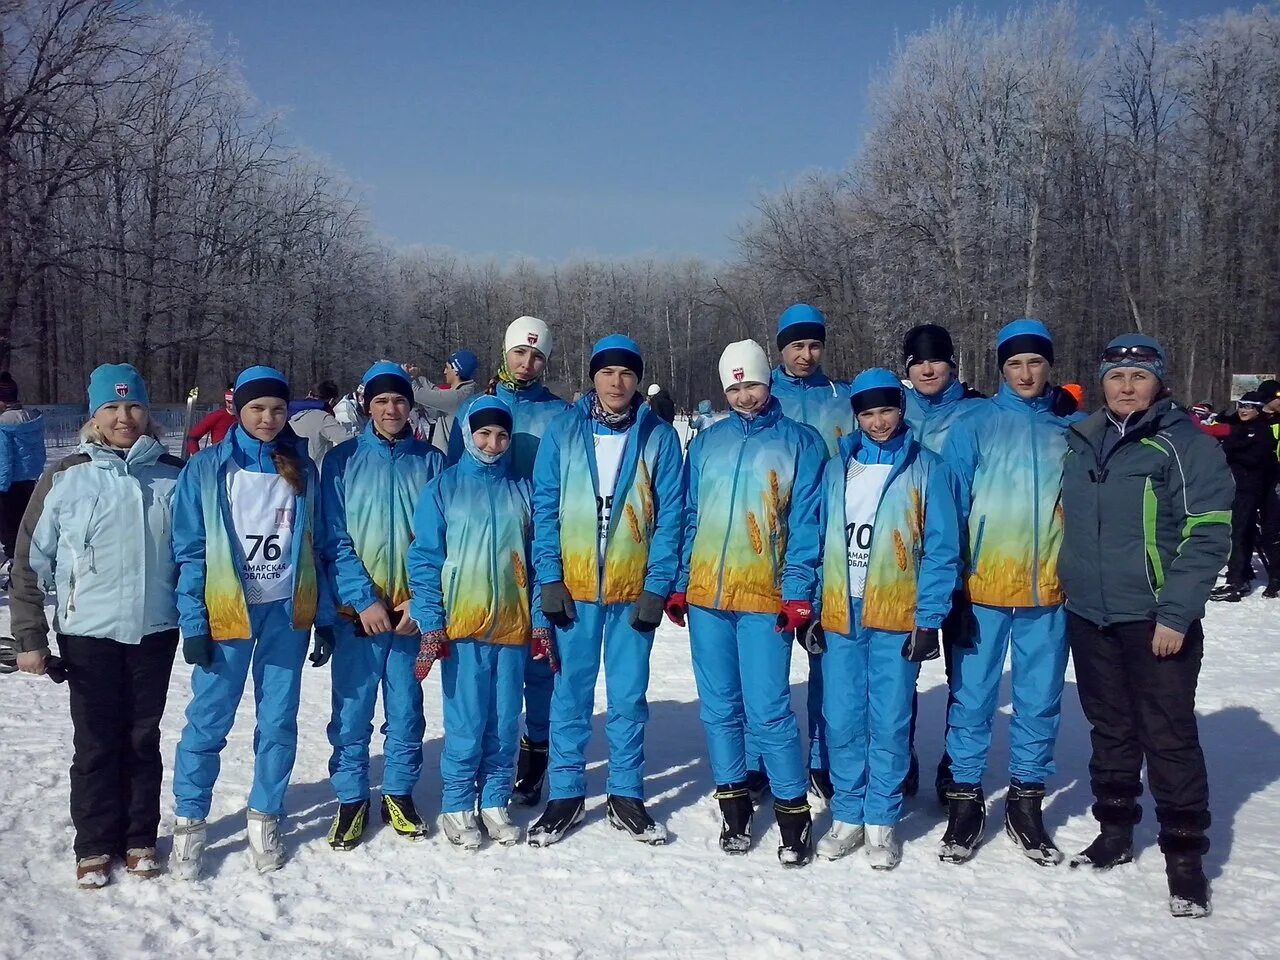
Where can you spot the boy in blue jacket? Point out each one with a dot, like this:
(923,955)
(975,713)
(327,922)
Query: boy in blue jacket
(369,488)
(890,561)
(469,577)
(607,512)
(22,457)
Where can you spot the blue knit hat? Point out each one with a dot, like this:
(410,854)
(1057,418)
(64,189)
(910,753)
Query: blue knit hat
(116,383)
(801,322)
(1023,336)
(1135,350)
(464,363)
(876,387)
(486,411)
(257,382)
(616,350)
(386,377)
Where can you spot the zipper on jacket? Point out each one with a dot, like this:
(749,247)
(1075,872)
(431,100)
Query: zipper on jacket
(493,563)
(733,497)
(391,526)
(1035,515)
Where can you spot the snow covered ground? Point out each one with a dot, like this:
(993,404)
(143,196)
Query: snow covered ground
(599,894)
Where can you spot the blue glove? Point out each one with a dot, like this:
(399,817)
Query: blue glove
(198,650)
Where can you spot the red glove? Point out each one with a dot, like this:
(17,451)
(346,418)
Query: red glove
(794,615)
(435,646)
(677,608)
(543,647)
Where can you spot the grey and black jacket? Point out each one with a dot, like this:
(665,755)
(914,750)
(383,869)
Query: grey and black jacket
(1146,518)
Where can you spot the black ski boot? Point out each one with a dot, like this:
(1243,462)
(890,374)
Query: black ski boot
(531,770)
(736,811)
(348,826)
(796,824)
(1183,843)
(1229,593)
(399,811)
(1113,846)
(1024,823)
(1273,589)
(911,782)
(942,780)
(820,784)
(757,784)
(629,815)
(559,818)
(966,820)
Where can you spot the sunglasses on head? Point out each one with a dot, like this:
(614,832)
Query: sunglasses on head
(1139,353)
(1256,404)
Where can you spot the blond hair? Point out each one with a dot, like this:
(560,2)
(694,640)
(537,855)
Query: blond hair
(92,433)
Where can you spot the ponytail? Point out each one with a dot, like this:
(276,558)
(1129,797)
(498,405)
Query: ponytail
(289,466)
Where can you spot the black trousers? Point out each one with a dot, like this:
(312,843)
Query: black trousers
(1141,707)
(958,625)
(13,503)
(1252,527)
(118,694)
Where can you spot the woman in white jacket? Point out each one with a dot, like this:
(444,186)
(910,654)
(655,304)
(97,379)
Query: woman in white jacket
(96,534)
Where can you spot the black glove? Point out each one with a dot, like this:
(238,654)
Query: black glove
(557,604)
(323,648)
(646,614)
(198,650)
(961,626)
(921,645)
(813,638)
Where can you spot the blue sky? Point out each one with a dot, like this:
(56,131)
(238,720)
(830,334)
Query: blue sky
(553,129)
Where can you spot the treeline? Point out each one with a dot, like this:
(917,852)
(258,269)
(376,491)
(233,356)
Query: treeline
(1104,181)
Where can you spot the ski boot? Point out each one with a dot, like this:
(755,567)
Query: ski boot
(1229,593)
(841,840)
(736,811)
(93,873)
(1113,846)
(497,823)
(1273,589)
(142,862)
(1183,843)
(531,770)
(1024,823)
(559,818)
(966,821)
(629,815)
(399,811)
(820,784)
(265,849)
(347,829)
(796,825)
(189,837)
(461,829)
(911,782)
(884,849)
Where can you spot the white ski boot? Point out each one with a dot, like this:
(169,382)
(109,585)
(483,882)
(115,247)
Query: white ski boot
(461,829)
(499,826)
(884,850)
(265,848)
(189,837)
(841,840)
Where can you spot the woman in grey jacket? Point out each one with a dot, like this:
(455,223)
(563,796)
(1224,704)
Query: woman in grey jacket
(1146,499)
(96,534)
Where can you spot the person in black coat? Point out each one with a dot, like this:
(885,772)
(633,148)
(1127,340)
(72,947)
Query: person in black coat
(1250,449)
(661,403)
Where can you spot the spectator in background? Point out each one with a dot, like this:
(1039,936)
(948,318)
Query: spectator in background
(1076,391)
(1204,417)
(213,425)
(21,460)
(1250,451)
(349,410)
(442,401)
(701,420)
(312,420)
(660,402)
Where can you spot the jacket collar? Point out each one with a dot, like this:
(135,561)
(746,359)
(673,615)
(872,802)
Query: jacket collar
(369,437)
(144,452)
(953,392)
(1094,428)
(1009,400)
(815,380)
(771,414)
(902,453)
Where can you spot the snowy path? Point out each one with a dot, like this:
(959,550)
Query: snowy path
(598,894)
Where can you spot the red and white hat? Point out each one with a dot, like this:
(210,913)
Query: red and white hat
(528,332)
(743,362)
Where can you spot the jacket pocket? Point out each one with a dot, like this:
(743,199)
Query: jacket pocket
(976,549)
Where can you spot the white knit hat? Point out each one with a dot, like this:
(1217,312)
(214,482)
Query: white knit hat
(743,362)
(528,332)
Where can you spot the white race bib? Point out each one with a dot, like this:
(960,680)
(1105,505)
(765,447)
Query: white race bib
(863,484)
(609,449)
(262,507)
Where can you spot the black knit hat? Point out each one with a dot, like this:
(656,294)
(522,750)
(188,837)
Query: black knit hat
(928,341)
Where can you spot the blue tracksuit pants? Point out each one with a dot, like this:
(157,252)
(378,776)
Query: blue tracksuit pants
(482,684)
(359,668)
(743,669)
(1038,639)
(869,687)
(275,656)
(597,629)
(538,684)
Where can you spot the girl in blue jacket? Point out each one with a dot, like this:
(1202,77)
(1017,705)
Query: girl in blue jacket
(890,561)
(470,583)
(368,492)
(243,522)
(747,575)
(607,514)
